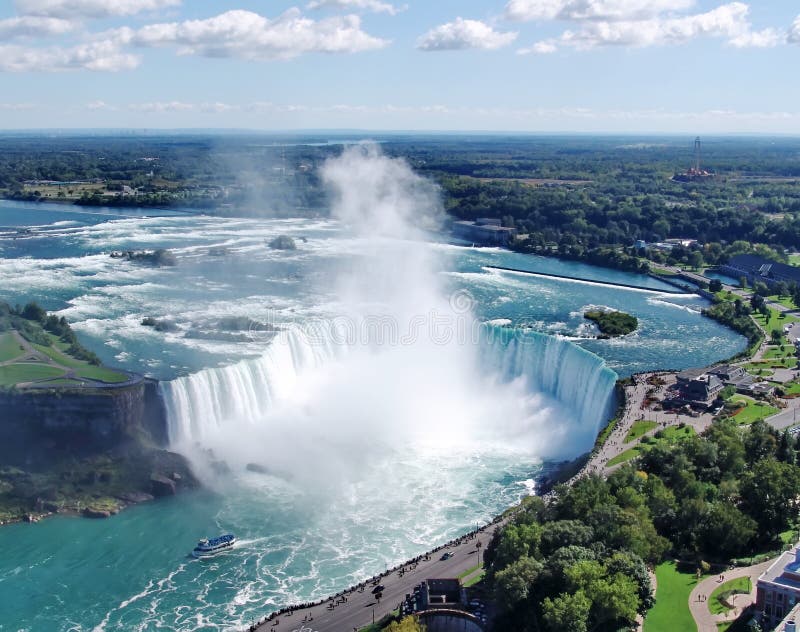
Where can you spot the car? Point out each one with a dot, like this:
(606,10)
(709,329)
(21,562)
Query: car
(377,589)
(446,556)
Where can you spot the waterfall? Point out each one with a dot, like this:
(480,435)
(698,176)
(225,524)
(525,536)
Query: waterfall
(575,377)
(200,404)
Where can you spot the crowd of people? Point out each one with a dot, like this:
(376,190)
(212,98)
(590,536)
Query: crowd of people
(341,597)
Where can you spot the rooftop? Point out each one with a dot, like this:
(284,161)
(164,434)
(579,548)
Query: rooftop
(787,563)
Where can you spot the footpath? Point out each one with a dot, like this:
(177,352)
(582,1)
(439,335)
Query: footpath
(699,599)
(358,606)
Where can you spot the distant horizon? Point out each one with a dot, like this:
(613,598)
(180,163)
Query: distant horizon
(147,131)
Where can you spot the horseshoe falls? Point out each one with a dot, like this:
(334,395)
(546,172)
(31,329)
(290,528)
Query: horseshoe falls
(200,406)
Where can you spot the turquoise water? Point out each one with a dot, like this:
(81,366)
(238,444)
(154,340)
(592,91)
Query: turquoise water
(347,498)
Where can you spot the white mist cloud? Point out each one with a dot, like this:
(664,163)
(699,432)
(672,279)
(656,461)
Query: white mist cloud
(76,9)
(375,6)
(379,195)
(374,405)
(464,34)
(248,35)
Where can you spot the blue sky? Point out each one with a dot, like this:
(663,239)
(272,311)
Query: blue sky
(693,66)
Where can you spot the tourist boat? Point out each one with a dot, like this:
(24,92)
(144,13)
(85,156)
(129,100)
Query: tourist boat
(212,546)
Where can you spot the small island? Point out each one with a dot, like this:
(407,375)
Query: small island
(612,323)
(159,258)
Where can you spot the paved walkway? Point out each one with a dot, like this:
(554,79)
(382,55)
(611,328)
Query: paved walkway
(707,622)
(356,607)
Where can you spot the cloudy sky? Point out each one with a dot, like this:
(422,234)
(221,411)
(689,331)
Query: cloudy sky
(695,66)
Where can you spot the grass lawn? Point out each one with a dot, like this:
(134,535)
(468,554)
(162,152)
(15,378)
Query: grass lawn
(740,586)
(670,434)
(786,301)
(753,410)
(101,373)
(82,368)
(675,433)
(725,295)
(24,372)
(625,456)
(784,357)
(794,260)
(469,571)
(791,388)
(659,270)
(774,321)
(60,357)
(760,369)
(639,428)
(474,579)
(671,611)
(9,347)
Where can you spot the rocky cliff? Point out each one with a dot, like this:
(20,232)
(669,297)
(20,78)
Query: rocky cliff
(91,451)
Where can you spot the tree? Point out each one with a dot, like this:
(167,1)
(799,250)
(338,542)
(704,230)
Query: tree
(715,285)
(407,624)
(563,533)
(757,302)
(32,311)
(725,531)
(514,584)
(567,612)
(770,492)
(696,259)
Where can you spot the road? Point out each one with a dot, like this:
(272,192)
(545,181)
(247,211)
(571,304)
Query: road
(360,607)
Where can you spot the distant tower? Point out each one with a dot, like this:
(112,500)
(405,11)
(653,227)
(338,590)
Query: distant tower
(697,154)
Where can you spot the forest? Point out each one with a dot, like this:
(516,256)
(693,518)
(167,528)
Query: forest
(579,562)
(580,197)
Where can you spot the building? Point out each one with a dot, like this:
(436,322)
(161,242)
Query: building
(698,387)
(442,593)
(778,588)
(736,376)
(485,231)
(757,268)
(789,622)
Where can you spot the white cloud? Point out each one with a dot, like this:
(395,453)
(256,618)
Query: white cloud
(75,9)
(539,48)
(728,21)
(248,35)
(375,6)
(34,26)
(524,10)
(162,106)
(101,55)
(98,105)
(17,107)
(766,38)
(794,31)
(463,34)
